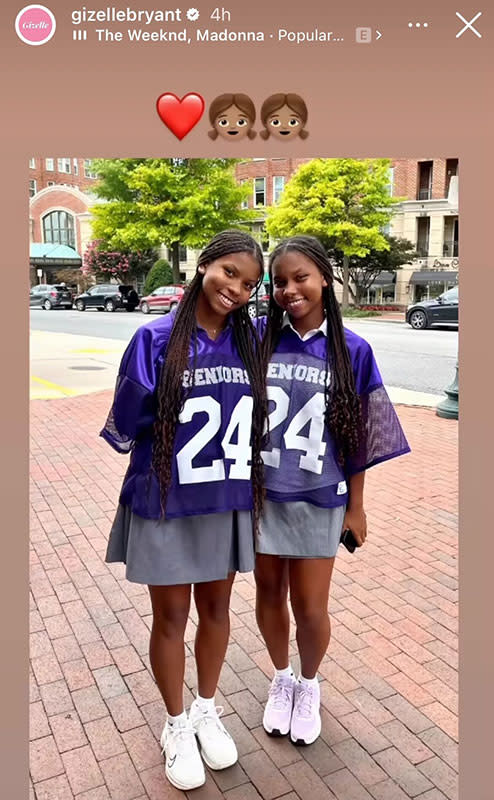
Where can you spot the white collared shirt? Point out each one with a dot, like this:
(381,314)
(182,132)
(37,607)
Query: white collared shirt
(323,327)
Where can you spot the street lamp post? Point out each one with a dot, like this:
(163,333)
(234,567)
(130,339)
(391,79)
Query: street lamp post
(448,408)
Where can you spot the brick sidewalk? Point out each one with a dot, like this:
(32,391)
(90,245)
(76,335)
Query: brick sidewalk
(389,688)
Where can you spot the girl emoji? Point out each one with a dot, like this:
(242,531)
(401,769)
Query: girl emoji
(189,408)
(330,419)
(284,116)
(232,117)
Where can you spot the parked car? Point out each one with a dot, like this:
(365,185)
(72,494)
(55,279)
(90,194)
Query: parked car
(164,298)
(443,310)
(50,296)
(108,297)
(258,308)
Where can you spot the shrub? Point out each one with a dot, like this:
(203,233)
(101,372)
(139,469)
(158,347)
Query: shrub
(160,274)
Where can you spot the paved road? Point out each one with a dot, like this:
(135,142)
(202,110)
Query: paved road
(421,361)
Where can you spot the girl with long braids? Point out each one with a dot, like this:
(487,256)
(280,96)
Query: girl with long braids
(330,419)
(189,406)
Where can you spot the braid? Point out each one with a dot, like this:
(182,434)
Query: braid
(249,349)
(343,414)
(171,394)
(171,397)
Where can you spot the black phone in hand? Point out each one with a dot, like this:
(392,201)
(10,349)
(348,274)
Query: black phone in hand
(348,540)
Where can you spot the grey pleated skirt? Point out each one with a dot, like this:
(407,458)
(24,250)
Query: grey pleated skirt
(300,530)
(193,549)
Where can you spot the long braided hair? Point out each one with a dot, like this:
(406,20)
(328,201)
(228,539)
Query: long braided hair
(171,394)
(343,414)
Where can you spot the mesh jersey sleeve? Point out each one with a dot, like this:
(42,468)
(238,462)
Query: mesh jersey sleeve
(134,402)
(383,437)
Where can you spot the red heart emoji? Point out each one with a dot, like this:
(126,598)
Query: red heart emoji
(180,115)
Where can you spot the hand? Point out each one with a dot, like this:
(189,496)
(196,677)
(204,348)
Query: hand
(356,521)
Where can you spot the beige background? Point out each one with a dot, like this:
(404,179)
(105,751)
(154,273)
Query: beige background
(413,93)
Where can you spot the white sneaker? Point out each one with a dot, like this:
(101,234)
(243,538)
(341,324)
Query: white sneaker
(278,710)
(183,766)
(217,746)
(306,717)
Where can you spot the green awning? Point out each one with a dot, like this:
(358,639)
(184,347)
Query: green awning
(50,254)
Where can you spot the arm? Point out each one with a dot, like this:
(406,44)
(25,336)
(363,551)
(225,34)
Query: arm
(133,409)
(355,518)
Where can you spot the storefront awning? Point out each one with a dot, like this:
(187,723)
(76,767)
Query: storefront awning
(384,279)
(50,254)
(426,277)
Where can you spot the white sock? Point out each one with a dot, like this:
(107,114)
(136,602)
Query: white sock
(308,681)
(287,672)
(178,720)
(205,702)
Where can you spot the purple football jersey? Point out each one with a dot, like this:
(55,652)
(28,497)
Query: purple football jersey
(301,458)
(211,465)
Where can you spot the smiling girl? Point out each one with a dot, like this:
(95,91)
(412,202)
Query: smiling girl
(330,419)
(189,399)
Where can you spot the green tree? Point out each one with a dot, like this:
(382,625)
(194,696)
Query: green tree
(364,271)
(343,201)
(160,274)
(169,201)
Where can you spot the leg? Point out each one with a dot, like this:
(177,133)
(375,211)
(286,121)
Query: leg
(213,606)
(271,576)
(171,606)
(212,601)
(309,593)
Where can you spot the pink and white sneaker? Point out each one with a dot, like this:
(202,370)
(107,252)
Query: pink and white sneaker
(278,711)
(306,718)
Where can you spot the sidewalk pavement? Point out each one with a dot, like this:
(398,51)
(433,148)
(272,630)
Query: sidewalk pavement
(388,682)
(383,316)
(84,364)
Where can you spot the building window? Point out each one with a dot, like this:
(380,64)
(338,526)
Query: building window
(182,253)
(450,245)
(87,169)
(245,203)
(75,165)
(32,163)
(32,188)
(423,231)
(451,170)
(391,184)
(278,186)
(63,165)
(58,227)
(259,192)
(424,190)
(50,164)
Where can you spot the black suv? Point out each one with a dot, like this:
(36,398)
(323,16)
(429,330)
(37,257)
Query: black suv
(441,311)
(108,297)
(50,296)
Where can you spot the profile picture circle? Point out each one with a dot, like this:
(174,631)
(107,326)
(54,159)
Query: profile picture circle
(35,24)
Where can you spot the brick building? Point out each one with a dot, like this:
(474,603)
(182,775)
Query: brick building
(72,172)
(427,216)
(59,202)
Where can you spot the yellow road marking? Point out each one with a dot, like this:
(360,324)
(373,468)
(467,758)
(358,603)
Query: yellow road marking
(55,386)
(94,350)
